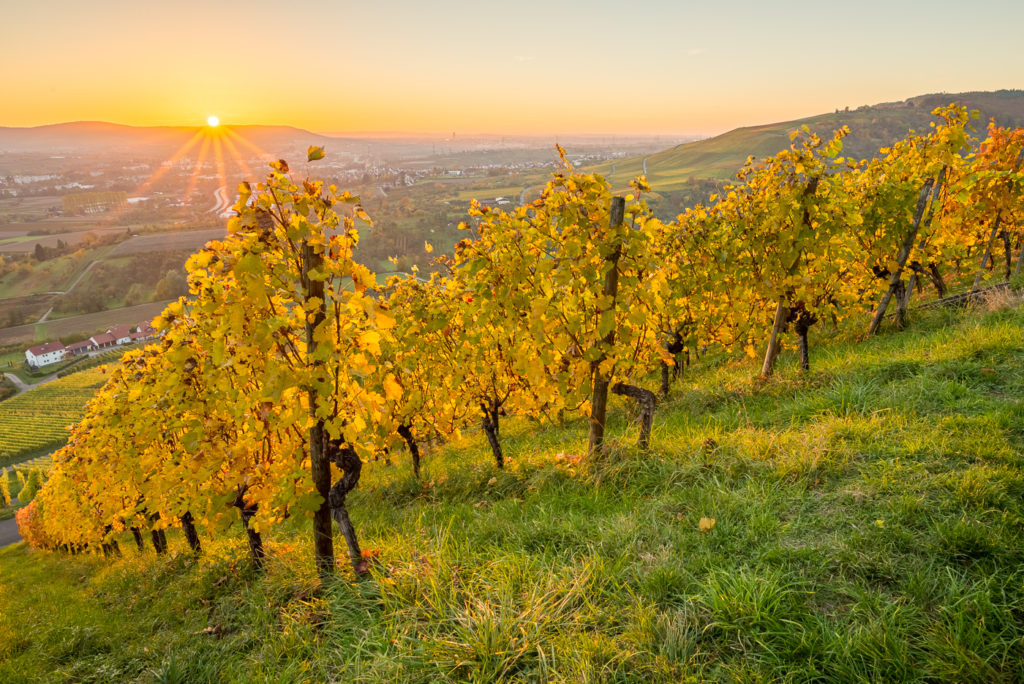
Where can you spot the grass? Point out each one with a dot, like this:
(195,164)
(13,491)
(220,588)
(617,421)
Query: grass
(868,527)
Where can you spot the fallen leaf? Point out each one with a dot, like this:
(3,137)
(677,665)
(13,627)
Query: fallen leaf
(706,524)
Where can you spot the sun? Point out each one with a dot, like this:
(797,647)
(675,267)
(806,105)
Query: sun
(212,121)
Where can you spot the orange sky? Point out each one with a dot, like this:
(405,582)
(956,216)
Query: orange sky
(474,67)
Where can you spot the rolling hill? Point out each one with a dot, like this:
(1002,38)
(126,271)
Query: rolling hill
(871,127)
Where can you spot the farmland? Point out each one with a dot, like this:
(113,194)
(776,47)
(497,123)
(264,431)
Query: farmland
(176,240)
(37,420)
(86,324)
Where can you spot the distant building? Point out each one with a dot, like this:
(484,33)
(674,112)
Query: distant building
(52,352)
(102,341)
(122,334)
(77,348)
(45,354)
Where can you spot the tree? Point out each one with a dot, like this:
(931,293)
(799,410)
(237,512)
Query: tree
(171,286)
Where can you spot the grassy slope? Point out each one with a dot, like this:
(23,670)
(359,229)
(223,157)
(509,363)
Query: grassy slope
(871,128)
(868,527)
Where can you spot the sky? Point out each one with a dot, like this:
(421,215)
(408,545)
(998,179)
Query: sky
(534,67)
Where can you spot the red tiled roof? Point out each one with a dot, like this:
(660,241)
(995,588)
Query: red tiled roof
(119,331)
(46,348)
(104,338)
(84,344)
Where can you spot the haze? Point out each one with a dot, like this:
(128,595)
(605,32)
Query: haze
(529,67)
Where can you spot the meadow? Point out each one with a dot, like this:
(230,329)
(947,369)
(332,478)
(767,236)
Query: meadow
(862,522)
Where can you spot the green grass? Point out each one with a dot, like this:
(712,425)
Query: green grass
(868,528)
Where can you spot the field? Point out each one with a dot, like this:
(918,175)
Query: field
(86,323)
(160,242)
(37,420)
(867,526)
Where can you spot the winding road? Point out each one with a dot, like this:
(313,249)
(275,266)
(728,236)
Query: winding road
(9,532)
(23,387)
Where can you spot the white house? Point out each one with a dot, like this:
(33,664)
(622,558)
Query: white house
(122,334)
(44,354)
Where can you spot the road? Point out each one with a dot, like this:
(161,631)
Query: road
(22,387)
(70,288)
(9,532)
(221,201)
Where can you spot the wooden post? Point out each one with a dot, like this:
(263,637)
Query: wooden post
(773,342)
(905,301)
(599,397)
(901,258)
(320,466)
(987,254)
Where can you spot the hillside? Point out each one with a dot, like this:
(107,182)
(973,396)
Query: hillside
(868,522)
(871,127)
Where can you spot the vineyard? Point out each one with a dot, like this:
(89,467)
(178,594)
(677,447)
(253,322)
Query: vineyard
(39,419)
(866,528)
(291,369)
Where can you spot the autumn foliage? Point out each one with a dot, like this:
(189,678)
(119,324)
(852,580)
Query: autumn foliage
(289,367)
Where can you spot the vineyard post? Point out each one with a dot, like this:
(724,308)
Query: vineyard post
(320,466)
(912,283)
(987,254)
(773,341)
(901,259)
(992,236)
(599,398)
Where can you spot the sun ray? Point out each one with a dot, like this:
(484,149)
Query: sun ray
(237,158)
(261,153)
(218,156)
(194,178)
(166,165)
(114,214)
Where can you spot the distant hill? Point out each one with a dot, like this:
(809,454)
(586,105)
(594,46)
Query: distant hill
(871,127)
(90,136)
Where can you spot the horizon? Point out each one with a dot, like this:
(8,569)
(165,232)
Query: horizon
(529,70)
(448,135)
